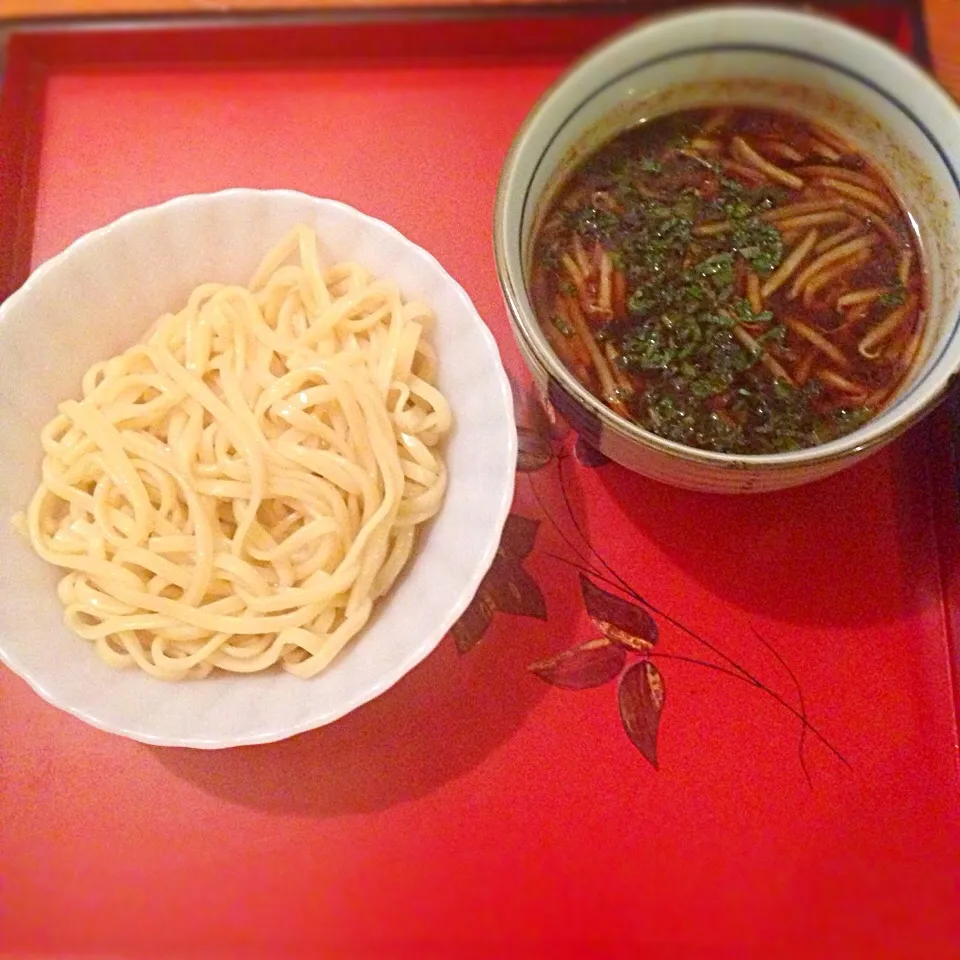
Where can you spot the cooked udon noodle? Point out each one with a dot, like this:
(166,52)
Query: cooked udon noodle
(238,490)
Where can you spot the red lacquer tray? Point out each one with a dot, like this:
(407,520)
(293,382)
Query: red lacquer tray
(794,795)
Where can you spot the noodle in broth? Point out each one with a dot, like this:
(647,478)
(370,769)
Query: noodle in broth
(734,279)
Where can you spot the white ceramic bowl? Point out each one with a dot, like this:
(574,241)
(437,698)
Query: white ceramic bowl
(802,62)
(100,295)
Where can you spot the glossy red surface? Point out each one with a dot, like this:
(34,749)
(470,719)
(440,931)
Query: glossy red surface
(475,810)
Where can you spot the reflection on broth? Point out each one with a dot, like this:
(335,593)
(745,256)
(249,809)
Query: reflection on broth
(735,279)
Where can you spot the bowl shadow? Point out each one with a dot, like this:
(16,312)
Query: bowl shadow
(435,725)
(845,550)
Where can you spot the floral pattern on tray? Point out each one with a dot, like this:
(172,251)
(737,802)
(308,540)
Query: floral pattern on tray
(626,624)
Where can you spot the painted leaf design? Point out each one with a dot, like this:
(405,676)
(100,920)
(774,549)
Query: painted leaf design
(590,664)
(622,621)
(641,696)
(589,455)
(506,588)
(514,591)
(519,536)
(468,631)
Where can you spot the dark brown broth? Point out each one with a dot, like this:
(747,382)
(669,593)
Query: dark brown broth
(642,280)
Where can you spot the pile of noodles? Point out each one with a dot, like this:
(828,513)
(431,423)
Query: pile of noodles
(239,490)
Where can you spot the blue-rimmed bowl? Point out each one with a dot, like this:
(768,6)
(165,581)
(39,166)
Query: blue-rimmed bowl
(818,67)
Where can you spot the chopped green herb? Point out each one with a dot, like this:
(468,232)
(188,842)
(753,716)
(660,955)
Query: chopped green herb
(675,332)
(759,243)
(593,222)
(639,302)
(719,266)
(686,206)
(744,312)
(893,298)
(775,334)
(549,257)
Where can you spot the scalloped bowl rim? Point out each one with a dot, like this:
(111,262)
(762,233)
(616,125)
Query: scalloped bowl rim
(468,591)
